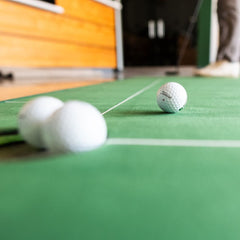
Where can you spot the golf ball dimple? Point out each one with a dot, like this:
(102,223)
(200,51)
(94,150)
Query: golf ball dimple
(32,115)
(171,97)
(76,127)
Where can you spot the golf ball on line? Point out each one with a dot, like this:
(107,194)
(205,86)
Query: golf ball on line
(77,126)
(171,97)
(32,115)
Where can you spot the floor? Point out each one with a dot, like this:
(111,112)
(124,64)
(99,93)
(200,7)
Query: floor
(29,82)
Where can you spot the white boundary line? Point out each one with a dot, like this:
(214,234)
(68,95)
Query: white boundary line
(175,142)
(132,96)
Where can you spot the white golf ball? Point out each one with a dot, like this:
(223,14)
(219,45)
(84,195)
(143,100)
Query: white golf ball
(171,97)
(32,115)
(77,126)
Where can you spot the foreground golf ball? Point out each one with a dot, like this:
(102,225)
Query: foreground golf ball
(32,115)
(77,126)
(171,97)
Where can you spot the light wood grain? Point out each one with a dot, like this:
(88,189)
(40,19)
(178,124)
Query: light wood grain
(43,24)
(84,36)
(88,10)
(22,52)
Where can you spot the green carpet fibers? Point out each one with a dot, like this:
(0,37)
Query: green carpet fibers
(132,192)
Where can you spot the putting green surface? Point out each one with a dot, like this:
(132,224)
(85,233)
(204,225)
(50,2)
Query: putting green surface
(159,176)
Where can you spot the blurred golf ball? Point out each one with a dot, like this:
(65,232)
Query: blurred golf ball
(77,126)
(32,115)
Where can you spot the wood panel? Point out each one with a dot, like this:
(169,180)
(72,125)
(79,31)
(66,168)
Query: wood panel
(25,52)
(38,23)
(89,10)
(84,36)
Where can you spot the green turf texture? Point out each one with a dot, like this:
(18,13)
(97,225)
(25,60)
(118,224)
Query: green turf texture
(132,192)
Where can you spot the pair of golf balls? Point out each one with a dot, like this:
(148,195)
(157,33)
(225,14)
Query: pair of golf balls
(171,97)
(46,122)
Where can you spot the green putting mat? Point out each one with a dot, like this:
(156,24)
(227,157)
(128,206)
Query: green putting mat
(168,176)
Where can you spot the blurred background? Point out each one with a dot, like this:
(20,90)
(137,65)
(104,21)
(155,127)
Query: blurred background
(168,20)
(91,38)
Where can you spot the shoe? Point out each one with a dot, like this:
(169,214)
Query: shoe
(220,69)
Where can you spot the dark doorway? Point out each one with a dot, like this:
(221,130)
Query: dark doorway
(154,31)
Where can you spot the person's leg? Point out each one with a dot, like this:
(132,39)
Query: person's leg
(227,64)
(229,29)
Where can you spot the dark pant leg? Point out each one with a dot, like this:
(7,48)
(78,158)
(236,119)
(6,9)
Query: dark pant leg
(229,27)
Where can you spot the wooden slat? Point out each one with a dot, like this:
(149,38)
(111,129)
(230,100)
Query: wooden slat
(44,24)
(84,36)
(89,10)
(37,53)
